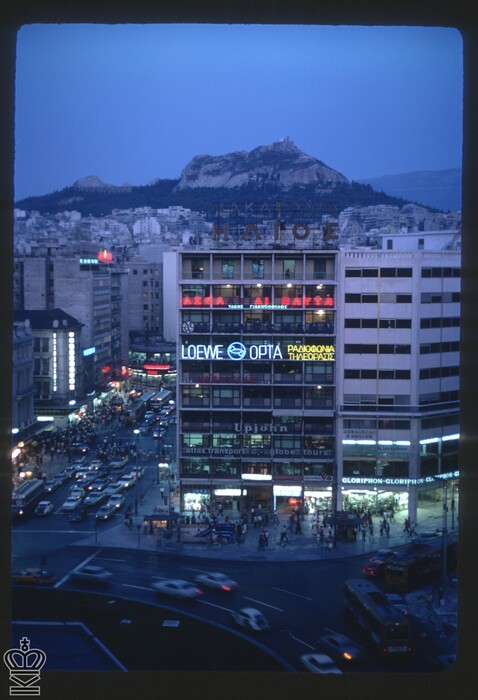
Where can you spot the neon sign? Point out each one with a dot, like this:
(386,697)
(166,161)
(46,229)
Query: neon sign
(311,352)
(237,351)
(105,256)
(259,302)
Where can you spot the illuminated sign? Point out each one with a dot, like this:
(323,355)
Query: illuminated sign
(105,256)
(237,351)
(234,351)
(400,481)
(89,351)
(255,428)
(283,302)
(311,352)
(88,261)
(154,366)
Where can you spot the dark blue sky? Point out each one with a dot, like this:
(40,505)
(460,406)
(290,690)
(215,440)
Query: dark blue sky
(131,103)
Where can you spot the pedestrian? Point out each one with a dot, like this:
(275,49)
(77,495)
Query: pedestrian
(298,530)
(387,529)
(412,529)
(364,534)
(283,536)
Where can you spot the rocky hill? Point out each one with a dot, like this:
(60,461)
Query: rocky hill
(281,164)
(268,175)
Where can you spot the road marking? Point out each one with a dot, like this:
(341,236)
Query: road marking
(83,563)
(213,605)
(290,593)
(261,603)
(106,559)
(141,588)
(301,641)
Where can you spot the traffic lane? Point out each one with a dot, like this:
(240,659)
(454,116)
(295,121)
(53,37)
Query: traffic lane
(138,636)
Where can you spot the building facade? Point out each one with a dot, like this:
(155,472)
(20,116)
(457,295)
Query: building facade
(22,377)
(325,377)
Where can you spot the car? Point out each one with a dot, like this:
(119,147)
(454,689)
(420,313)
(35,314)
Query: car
(117,500)
(77,492)
(61,478)
(216,580)
(79,448)
(398,601)
(71,470)
(33,577)
(144,429)
(51,485)
(44,508)
(78,462)
(127,481)
(177,588)
(95,466)
(319,663)
(112,489)
(105,512)
(98,485)
(71,503)
(377,563)
(138,472)
(251,619)
(118,462)
(95,498)
(78,515)
(340,646)
(92,573)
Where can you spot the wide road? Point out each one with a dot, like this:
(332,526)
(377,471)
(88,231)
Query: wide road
(301,600)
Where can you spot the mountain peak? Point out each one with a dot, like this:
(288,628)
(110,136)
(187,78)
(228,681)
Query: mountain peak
(93,182)
(280,163)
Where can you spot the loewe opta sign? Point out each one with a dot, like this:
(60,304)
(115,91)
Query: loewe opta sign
(238,351)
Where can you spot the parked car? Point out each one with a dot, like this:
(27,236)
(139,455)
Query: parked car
(216,580)
(44,508)
(340,646)
(177,588)
(251,619)
(33,577)
(105,512)
(377,563)
(78,515)
(71,503)
(117,500)
(319,663)
(92,573)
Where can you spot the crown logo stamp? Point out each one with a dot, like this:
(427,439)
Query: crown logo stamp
(24,665)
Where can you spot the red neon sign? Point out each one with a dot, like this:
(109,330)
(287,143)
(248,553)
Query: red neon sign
(154,366)
(105,256)
(260,301)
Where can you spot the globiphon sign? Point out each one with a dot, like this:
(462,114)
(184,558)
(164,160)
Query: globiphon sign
(237,351)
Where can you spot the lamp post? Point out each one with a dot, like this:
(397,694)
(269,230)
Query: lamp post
(445,529)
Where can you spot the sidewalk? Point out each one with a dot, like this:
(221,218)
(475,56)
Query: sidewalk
(302,547)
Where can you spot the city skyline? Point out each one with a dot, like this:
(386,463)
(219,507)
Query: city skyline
(133,103)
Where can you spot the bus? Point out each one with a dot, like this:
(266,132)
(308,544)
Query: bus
(134,412)
(161,399)
(26,496)
(420,564)
(388,628)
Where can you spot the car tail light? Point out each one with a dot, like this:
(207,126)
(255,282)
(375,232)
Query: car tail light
(225,588)
(347,656)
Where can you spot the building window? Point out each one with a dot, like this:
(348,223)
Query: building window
(197,269)
(227,269)
(288,267)
(258,268)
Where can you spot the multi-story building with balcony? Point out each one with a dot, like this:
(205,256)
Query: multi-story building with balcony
(256,394)
(326,376)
